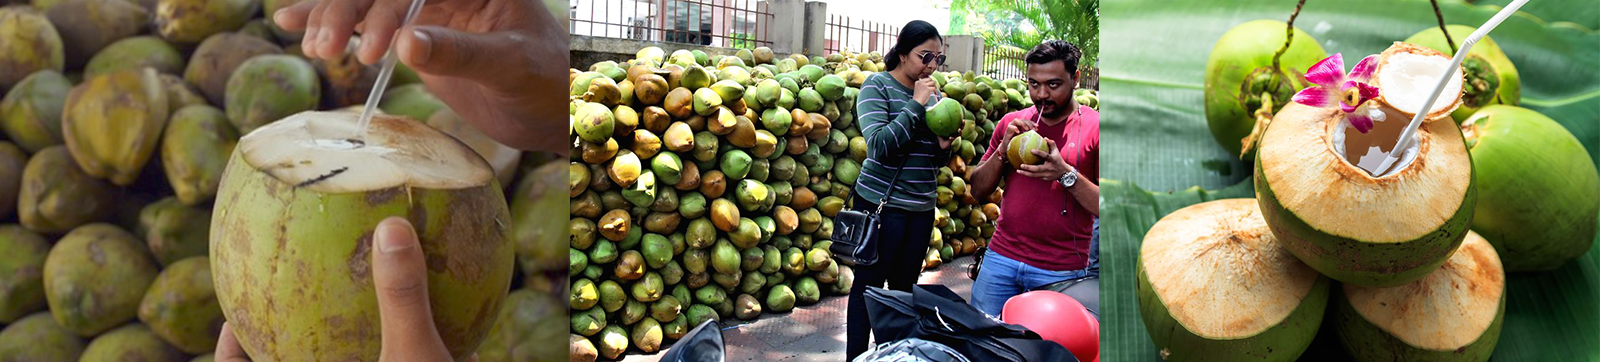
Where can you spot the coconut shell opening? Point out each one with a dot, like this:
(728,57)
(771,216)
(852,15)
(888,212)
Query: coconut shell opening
(1446,310)
(1301,162)
(1220,271)
(312,150)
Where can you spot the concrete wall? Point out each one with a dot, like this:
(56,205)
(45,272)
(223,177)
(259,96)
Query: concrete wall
(963,53)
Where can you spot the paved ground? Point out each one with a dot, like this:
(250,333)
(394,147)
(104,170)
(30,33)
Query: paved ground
(814,333)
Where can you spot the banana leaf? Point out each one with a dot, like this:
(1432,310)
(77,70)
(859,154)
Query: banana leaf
(1160,156)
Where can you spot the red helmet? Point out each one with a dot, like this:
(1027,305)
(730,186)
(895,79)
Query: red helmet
(1058,318)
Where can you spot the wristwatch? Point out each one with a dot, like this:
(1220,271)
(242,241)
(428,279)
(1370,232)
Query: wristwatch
(1069,179)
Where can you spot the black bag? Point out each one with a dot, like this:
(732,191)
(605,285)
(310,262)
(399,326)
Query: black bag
(934,313)
(702,344)
(855,232)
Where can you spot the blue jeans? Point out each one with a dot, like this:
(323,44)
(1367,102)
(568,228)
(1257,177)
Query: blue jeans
(1000,278)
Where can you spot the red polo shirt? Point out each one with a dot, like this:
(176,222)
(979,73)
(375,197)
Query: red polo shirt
(1039,222)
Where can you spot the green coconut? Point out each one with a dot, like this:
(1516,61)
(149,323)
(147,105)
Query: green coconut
(38,337)
(215,60)
(1240,71)
(1343,221)
(95,277)
(270,87)
(403,168)
(198,140)
(1452,314)
(113,121)
(136,52)
(181,306)
(134,342)
(1215,284)
(175,231)
(1491,78)
(28,43)
(1539,192)
(502,158)
(191,21)
(534,234)
(30,114)
(21,272)
(57,196)
(944,118)
(411,100)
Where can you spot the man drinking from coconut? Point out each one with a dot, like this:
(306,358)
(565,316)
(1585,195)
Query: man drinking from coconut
(1044,232)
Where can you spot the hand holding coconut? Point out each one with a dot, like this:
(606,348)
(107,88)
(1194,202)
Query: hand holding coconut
(479,56)
(1053,166)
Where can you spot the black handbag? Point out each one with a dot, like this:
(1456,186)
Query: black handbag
(855,232)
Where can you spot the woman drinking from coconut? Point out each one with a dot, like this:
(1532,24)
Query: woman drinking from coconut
(903,159)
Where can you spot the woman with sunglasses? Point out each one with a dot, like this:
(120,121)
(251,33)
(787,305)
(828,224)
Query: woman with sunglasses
(890,108)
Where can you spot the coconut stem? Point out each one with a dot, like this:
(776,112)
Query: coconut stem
(1440,16)
(1288,36)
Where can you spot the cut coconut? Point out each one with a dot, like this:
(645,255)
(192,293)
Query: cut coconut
(311,150)
(1451,314)
(294,222)
(1349,225)
(1214,284)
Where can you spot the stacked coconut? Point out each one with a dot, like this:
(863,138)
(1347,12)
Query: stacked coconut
(119,118)
(1417,252)
(703,188)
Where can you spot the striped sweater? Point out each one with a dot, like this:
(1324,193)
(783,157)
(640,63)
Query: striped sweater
(892,123)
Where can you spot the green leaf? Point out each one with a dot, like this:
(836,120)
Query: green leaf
(1156,137)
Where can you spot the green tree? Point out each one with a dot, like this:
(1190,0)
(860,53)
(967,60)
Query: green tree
(1022,24)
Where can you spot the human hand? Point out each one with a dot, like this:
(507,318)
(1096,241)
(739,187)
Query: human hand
(923,89)
(1014,128)
(1053,167)
(490,60)
(401,277)
(945,142)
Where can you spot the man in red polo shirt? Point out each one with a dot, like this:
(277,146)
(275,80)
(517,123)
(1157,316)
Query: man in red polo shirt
(1048,212)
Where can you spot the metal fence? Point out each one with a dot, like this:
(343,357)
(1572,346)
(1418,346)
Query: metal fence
(860,36)
(1004,63)
(718,23)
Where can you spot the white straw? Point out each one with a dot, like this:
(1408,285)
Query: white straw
(1409,135)
(384,74)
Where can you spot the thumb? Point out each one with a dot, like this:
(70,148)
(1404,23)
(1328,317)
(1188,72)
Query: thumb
(401,277)
(481,57)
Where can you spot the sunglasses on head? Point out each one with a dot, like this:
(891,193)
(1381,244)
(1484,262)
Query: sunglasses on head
(929,57)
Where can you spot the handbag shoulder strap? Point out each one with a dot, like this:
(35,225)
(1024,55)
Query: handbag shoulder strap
(885,201)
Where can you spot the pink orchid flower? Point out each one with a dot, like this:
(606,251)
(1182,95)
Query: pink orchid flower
(1349,92)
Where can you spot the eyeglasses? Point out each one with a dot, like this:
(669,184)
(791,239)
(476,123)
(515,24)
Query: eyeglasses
(929,57)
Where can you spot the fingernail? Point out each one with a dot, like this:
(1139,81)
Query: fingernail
(424,44)
(392,237)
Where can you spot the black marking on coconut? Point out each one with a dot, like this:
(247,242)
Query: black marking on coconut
(329,175)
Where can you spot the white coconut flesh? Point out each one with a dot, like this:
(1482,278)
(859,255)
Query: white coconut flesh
(1445,310)
(1406,76)
(1220,272)
(313,150)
